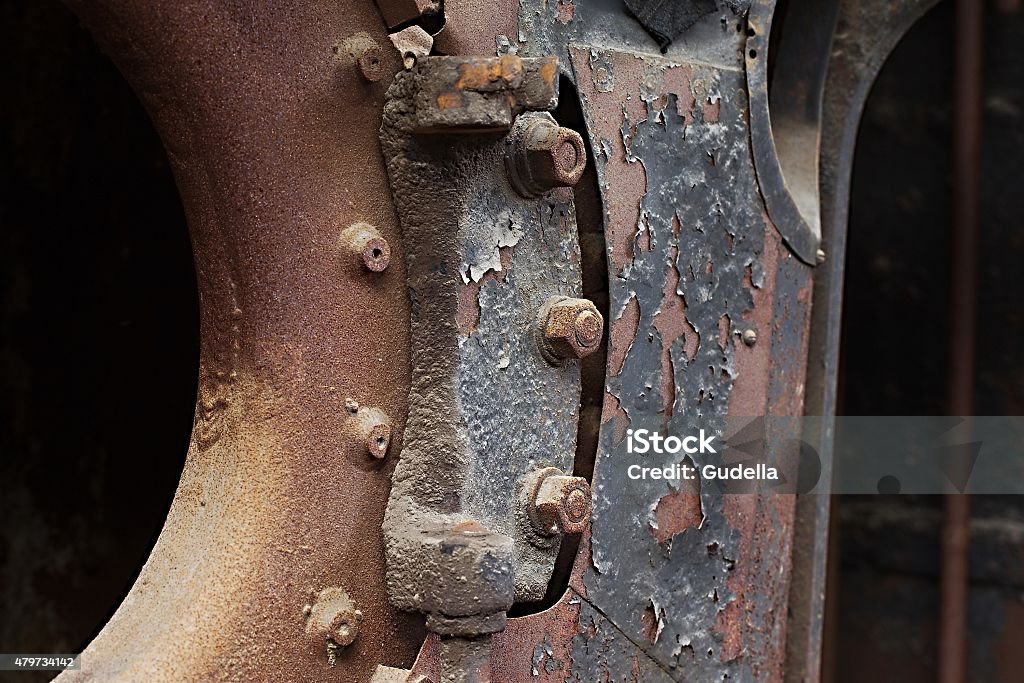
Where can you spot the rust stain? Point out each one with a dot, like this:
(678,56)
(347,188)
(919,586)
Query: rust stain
(750,396)
(724,327)
(623,197)
(566,11)
(623,331)
(492,75)
(672,325)
(712,110)
(678,82)
(549,73)
(679,510)
(467,315)
(450,100)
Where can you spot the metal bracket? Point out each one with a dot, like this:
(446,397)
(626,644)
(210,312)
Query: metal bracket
(493,268)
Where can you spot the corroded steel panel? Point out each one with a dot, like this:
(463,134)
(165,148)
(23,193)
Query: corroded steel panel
(272,564)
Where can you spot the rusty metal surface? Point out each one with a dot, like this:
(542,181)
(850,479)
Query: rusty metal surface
(272,133)
(494,266)
(658,595)
(670,583)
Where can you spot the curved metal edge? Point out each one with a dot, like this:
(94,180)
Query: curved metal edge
(866,34)
(785,123)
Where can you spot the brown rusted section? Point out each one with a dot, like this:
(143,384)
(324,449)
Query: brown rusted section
(261,128)
(472,93)
(397,12)
(623,330)
(678,511)
(774,386)
(752,624)
(956,523)
(566,11)
(468,314)
(471,26)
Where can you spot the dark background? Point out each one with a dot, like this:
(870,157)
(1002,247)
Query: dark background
(99,345)
(99,330)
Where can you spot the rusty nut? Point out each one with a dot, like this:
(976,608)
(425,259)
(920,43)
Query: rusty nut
(540,155)
(569,328)
(559,503)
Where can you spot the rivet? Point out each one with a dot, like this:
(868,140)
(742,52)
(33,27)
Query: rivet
(749,337)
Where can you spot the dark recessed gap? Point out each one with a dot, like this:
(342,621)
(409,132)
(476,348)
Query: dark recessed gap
(590,223)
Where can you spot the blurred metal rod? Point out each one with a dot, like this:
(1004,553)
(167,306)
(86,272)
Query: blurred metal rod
(967,88)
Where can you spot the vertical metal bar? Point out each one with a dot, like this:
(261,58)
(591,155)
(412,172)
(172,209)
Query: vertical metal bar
(967,85)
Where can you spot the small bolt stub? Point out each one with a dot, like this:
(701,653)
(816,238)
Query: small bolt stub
(749,337)
(540,155)
(559,503)
(569,328)
(332,618)
(378,440)
(371,63)
(370,425)
(819,256)
(363,240)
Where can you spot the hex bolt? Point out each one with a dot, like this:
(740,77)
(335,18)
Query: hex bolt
(559,503)
(364,242)
(749,337)
(371,63)
(568,328)
(540,155)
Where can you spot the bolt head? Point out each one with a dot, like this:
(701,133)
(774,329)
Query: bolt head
(561,504)
(556,155)
(333,617)
(749,337)
(541,155)
(819,256)
(570,329)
